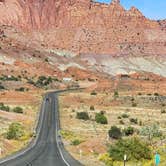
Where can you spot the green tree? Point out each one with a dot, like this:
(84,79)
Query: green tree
(115,132)
(101,118)
(134,148)
(15,131)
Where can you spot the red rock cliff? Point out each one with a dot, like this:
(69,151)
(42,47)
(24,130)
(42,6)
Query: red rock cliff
(85,26)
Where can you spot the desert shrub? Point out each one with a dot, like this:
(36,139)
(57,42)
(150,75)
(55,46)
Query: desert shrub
(9,78)
(93,93)
(2,87)
(82,115)
(134,104)
(42,81)
(4,107)
(128,131)
(121,122)
(116,94)
(106,159)
(134,148)
(150,131)
(92,108)
(132,99)
(76,142)
(134,120)
(163,104)
(119,117)
(163,111)
(46,60)
(139,93)
(22,89)
(156,94)
(15,131)
(101,118)
(125,116)
(140,123)
(18,110)
(115,132)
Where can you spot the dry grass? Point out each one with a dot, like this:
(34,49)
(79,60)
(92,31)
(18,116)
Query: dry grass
(95,135)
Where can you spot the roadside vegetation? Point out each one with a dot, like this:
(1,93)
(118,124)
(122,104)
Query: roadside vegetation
(7,108)
(15,131)
(116,123)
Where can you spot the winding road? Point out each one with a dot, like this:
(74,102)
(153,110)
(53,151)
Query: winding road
(47,148)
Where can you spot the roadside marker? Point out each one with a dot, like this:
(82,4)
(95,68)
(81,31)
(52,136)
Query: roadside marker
(157,159)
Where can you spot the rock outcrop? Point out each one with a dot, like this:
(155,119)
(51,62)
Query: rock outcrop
(85,26)
(39,14)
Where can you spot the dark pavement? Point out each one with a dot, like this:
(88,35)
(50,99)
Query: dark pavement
(47,149)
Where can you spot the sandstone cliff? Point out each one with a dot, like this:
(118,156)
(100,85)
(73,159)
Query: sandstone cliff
(84,26)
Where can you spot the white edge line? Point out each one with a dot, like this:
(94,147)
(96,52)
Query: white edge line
(35,141)
(58,144)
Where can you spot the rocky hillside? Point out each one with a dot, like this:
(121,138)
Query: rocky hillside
(85,26)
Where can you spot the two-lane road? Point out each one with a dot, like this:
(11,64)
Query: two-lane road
(47,149)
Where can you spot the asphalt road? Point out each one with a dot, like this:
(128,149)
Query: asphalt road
(47,149)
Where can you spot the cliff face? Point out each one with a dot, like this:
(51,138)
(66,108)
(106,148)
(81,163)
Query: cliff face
(84,26)
(41,14)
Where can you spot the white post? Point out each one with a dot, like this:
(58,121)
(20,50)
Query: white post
(125,158)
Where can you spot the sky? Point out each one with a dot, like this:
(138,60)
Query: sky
(153,9)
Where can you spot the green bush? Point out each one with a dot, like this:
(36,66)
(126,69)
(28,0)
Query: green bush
(128,131)
(46,60)
(2,87)
(134,104)
(106,159)
(115,132)
(125,116)
(92,108)
(82,115)
(42,81)
(134,120)
(121,122)
(18,110)
(22,89)
(101,118)
(116,94)
(9,78)
(4,107)
(163,111)
(15,131)
(134,148)
(93,93)
(76,142)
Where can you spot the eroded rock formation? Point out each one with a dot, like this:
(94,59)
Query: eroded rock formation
(85,26)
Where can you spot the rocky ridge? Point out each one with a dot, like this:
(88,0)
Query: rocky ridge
(85,26)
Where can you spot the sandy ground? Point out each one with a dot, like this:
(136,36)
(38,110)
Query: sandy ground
(93,136)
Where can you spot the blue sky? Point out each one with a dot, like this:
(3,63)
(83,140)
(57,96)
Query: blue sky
(153,9)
